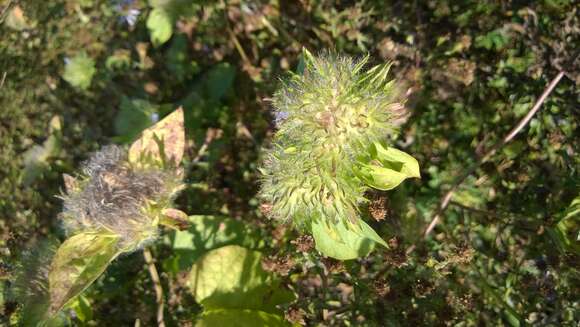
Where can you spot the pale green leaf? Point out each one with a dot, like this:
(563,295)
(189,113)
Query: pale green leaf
(386,168)
(394,158)
(240,318)
(78,262)
(232,277)
(379,177)
(160,25)
(79,71)
(342,242)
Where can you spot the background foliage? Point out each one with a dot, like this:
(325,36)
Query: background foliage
(78,74)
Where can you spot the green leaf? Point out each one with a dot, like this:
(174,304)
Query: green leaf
(240,318)
(566,233)
(386,168)
(82,308)
(134,116)
(207,233)
(219,80)
(232,277)
(36,159)
(160,25)
(79,71)
(342,242)
(78,262)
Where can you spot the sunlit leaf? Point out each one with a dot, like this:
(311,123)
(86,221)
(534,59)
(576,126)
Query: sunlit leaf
(78,262)
(240,318)
(79,71)
(207,233)
(160,25)
(232,277)
(386,168)
(342,242)
(161,143)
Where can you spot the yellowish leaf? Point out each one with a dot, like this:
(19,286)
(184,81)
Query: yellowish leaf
(162,143)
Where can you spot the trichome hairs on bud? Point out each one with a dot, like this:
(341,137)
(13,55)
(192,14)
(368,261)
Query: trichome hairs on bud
(116,197)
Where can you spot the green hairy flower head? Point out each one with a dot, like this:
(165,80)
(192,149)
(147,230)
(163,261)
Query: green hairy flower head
(327,150)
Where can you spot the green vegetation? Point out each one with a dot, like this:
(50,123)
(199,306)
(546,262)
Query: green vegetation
(77,75)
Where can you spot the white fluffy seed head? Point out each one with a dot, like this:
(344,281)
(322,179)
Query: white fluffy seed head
(114,196)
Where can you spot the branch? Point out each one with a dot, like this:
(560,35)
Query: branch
(3,79)
(445,199)
(210,135)
(156,284)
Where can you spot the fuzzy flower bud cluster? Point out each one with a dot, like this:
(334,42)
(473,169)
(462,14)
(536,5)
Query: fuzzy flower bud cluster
(115,196)
(328,118)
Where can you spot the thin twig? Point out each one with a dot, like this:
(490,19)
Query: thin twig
(2,17)
(511,217)
(3,79)
(156,285)
(210,135)
(444,202)
(237,44)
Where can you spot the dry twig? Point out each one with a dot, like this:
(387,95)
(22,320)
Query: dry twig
(446,198)
(156,285)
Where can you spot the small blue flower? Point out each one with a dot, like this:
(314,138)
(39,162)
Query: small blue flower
(280,116)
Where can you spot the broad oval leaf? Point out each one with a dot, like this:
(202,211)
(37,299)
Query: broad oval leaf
(77,263)
(161,143)
(240,318)
(160,26)
(206,233)
(232,277)
(342,242)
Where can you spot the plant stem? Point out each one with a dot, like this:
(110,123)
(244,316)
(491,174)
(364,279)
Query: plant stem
(156,285)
